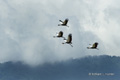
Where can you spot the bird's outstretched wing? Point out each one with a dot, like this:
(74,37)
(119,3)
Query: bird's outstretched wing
(61,21)
(65,22)
(69,38)
(94,45)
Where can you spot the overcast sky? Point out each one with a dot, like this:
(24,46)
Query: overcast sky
(27,28)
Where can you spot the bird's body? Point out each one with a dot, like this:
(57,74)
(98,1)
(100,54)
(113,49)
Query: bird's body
(94,46)
(59,35)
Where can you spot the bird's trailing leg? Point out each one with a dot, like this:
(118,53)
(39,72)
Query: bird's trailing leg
(92,48)
(68,43)
(62,25)
(97,48)
(71,45)
(67,26)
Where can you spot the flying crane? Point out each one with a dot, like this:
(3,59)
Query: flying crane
(59,35)
(68,40)
(94,46)
(64,23)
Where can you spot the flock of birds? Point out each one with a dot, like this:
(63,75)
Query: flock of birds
(69,38)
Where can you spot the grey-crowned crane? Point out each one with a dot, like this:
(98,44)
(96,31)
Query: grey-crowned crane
(59,35)
(94,46)
(64,23)
(68,40)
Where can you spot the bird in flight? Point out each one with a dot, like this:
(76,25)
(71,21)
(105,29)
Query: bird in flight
(68,40)
(94,46)
(59,35)
(64,23)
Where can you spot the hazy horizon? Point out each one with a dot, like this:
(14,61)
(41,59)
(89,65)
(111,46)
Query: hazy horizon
(89,68)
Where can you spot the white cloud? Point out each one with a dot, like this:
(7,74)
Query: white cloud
(27,28)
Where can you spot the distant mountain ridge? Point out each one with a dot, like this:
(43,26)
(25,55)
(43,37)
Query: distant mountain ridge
(88,68)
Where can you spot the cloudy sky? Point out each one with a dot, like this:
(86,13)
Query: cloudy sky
(27,28)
